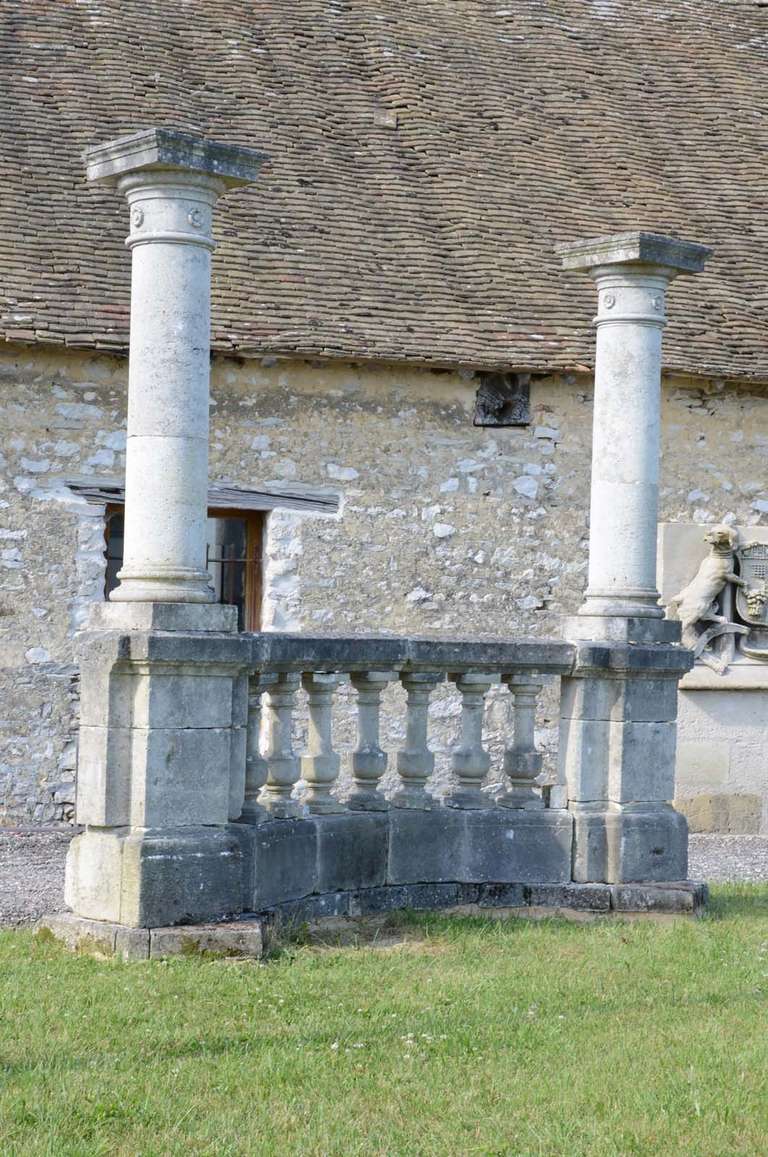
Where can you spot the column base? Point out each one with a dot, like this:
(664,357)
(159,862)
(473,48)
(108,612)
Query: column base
(630,843)
(620,628)
(643,605)
(163,616)
(175,586)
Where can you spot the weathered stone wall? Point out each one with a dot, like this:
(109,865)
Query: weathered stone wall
(443,527)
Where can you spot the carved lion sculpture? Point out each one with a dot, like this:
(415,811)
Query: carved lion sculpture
(696,602)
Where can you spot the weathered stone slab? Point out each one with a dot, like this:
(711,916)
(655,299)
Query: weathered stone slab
(522,846)
(638,631)
(584,758)
(333,904)
(180,776)
(183,699)
(104,776)
(641,761)
(685,897)
(590,844)
(622,700)
(180,876)
(578,897)
(234,938)
(132,943)
(647,846)
(352,850)
(502,895)
(426,845)
(163,148)
(78,934)
(373,900)
(636,246)
(156,616)
(425,896)
(102,938)
(93,878)
(285,862)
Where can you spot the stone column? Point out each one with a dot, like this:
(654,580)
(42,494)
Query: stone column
(618,712)
(632,272)
(171,182)
(164,689)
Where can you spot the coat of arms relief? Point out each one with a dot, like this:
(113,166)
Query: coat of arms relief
(724,608)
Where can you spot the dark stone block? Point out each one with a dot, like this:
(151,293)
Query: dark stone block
(426,845)
(579,897)
(333,904)
(502,896)
(655,898)
(314,908)
(420,896)
(590,847)
(285,862)
(181,876)
(647,846)
(522,847)
(469,893)
(247,838)
(373,900)
(643,653)
(351,851)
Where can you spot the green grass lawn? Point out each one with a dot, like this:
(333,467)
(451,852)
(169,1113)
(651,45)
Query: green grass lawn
(470,1036)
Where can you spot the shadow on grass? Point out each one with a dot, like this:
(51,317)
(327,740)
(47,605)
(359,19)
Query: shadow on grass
(407,928)
(728,901)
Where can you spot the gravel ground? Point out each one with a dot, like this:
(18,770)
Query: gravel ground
(728,859)
(31,873)
(32,867)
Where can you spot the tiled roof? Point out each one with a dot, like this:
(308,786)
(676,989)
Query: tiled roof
(427,155)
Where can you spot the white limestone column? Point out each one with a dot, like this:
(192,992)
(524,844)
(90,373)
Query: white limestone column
(632,272)
(171,181)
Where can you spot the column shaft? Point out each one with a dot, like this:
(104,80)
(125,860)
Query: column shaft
(626,444)
(167,448)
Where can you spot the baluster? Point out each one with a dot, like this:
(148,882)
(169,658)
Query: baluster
(255,764)
(282,761)
(320,767)
(470,759)
(415,763)
(522,762)
(369,762)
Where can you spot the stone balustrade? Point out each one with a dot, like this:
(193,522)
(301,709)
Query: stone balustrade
(307,834)
(190,817)
(280,784)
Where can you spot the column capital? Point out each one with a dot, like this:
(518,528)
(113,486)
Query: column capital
(167,149)
(637,248)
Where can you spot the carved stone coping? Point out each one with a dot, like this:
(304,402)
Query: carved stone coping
(277,652)
(624,660)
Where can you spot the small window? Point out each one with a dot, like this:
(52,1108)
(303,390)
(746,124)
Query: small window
(235,547)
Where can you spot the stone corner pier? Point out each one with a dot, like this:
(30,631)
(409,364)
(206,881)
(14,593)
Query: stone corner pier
(619,705)
(202,823)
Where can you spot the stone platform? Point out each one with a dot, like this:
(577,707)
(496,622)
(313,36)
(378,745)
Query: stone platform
(250,935)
